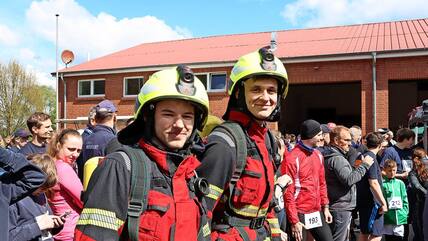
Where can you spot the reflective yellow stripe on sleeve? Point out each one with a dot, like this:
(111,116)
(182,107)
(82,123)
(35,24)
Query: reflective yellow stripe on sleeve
(250,211)
(100,218)
(215,192)
(274,225)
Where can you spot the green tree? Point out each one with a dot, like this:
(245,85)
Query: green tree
(20,96)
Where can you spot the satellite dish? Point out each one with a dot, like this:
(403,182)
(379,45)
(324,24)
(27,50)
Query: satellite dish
(67,57)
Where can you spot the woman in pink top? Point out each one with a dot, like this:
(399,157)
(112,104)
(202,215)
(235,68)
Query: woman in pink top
(65,200)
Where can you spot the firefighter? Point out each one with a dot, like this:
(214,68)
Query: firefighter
(239,201)
(171,106)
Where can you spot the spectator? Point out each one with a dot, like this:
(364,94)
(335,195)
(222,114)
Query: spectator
(18,179)
(103,132)
(306,200)
(322,146)
(401,153)
(426,219)
(371,203)
(418,178)
(394,191)
(91,123)
(390,138)
(341,178)
(40,126)
(19,140)
(31,218)
(65,148)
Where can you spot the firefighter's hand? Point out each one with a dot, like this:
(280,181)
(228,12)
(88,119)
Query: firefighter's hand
(297,231)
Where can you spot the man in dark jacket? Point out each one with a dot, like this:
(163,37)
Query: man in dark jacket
(18,178)
(426,219)
(341,179)
(103,133)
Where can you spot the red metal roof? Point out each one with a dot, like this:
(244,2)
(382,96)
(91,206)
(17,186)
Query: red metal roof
(341,40)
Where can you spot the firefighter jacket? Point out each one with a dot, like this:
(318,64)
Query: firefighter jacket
(247,215)
(308,192)
(173,210)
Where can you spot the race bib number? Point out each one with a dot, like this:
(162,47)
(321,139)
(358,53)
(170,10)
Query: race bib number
(395,203)
(313,220)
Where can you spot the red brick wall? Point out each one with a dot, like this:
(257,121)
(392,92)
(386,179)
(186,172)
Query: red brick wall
(303,73)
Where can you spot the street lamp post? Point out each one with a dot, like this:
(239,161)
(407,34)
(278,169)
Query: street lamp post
(56,67)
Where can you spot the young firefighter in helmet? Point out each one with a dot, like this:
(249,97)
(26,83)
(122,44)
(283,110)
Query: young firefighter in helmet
(170,108)
(241,204)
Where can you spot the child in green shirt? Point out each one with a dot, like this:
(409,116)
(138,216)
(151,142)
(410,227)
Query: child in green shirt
(394,191)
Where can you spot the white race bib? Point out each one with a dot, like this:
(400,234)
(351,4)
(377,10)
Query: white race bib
(395,203)
(313,220)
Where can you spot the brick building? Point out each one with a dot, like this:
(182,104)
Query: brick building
(332,73)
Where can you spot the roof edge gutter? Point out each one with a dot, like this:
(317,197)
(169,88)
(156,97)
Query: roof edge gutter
(359,56)
(286,60)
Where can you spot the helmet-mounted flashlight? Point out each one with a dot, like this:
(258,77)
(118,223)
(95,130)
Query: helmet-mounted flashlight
(268,59)
(186,78)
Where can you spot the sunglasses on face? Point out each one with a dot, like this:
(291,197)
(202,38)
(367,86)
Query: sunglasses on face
(73,149)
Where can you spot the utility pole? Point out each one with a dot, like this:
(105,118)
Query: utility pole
(56,67)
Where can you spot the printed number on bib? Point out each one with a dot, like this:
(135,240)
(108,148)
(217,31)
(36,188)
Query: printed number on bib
(313,220)
(395,203)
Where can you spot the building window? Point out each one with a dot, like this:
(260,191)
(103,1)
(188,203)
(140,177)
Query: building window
(89,88)
(132,85)
(213,82)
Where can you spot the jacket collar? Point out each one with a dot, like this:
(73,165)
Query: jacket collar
(170,162)
(101,127)
(253,128)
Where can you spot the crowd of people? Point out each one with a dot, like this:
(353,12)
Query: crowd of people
(165,177)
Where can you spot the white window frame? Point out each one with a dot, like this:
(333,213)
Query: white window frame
(124,85)
(92,87)
(209,74)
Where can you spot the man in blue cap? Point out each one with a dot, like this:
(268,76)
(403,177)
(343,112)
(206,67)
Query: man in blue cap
(20,139)
(103,133)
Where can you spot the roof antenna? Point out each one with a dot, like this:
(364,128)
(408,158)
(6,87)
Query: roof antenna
(273,43)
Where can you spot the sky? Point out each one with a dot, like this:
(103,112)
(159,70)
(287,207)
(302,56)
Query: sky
(94,28)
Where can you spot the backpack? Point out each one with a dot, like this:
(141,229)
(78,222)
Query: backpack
(138,195)
(235,131)
(139,189)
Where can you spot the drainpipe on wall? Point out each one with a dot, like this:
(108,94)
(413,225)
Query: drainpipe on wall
(374,89)
(65,99)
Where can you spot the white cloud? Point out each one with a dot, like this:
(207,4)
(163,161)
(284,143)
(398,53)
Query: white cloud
(84,33)
(316,13)
(26,54)
(7,36)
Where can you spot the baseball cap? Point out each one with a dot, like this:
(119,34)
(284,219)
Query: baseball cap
(106,106)
(21,133)
(325,128)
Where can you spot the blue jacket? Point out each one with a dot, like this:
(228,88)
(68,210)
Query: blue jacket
(20,178)
(426,218)
(95,145)
(22,218)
